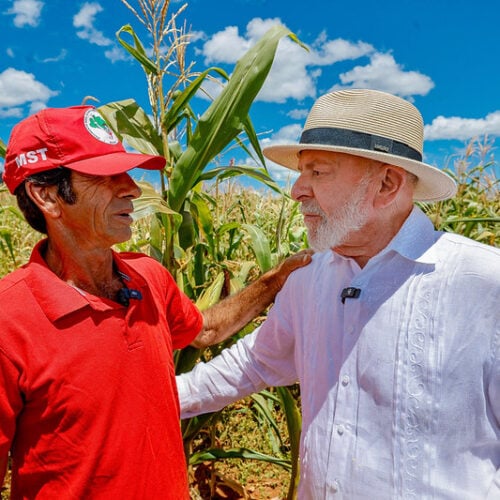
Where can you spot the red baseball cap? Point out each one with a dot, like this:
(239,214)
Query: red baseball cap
(76,137)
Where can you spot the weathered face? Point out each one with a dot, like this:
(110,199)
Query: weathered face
(101,216)
(333,189)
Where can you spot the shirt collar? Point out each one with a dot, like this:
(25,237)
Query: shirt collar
(58,298)
(415,238)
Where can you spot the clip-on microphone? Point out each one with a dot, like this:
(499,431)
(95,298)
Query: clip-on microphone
(350,293)
(125,294)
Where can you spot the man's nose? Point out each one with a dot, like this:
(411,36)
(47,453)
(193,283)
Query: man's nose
(129,188)
(300,189)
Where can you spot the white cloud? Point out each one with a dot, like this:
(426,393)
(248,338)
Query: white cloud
(458,128)
(295,71)
(37,106)
(18,88)
(84,22)
(194,36)
(288,78)
(298,114)
(11,112)
(289,134)
(327,52)
(115,54)
(26,12)
(383,73)
(59,57)
(225,46)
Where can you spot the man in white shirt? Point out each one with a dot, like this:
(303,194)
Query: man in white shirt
(393,331)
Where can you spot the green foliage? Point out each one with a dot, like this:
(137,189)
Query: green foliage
(230,261)
(475,211)
(207,256)
(226,117)
(16,237)
(213,236)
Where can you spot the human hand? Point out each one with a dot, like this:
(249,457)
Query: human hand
(290,264)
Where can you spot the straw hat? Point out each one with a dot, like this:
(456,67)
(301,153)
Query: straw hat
(371,124)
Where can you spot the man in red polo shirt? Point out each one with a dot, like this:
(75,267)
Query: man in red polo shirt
(88,401)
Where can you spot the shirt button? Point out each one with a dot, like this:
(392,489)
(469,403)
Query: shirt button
(340,430)
(335,486)
(345,380)
(350,329)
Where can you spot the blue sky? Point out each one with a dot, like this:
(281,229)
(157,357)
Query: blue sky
(442,55)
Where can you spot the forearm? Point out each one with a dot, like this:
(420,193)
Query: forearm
(234,312)
(227,378)
(231,314)
(263,358)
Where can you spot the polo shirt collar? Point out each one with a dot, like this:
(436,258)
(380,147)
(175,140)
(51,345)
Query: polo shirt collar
(58,298)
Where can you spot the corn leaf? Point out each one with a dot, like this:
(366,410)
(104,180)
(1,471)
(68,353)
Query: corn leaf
(137,51)
(218,454)
(223,173)
(260,246)
(131,124)
(211,294)
(150,202)
(181,101)
(226,117)
(294,424)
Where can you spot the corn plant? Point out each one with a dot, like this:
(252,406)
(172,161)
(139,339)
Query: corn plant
(184,236)
(475,211)
(235,205)
(212,236)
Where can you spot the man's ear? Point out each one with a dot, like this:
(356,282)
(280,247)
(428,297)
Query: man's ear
(45,198)
(391,181)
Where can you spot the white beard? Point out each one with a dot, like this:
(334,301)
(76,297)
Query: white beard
(334,230)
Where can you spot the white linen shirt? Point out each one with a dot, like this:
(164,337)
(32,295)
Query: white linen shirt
(400,388)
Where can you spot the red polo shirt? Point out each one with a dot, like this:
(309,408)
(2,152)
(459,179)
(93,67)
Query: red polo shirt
(88,402)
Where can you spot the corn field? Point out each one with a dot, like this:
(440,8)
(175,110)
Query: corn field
(245,451)
(215,236)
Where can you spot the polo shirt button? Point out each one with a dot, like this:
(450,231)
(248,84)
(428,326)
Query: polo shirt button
(340,430)
(350,329)
(335,486)
(345,380)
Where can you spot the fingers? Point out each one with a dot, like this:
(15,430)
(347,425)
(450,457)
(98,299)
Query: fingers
(277,276)
(297,260)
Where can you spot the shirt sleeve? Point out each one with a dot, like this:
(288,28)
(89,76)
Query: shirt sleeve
(494,397)
(261,359)
(10,406)
(184,318)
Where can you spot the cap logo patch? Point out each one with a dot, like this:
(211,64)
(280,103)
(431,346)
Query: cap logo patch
(98,127)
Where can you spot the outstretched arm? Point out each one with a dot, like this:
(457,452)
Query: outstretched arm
(263,358)
(231,314)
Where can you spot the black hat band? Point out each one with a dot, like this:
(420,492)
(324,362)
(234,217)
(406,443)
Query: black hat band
(358,140)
